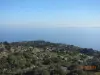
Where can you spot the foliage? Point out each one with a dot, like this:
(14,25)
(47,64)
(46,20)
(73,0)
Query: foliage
(7,45)
(17,60)
(46,58)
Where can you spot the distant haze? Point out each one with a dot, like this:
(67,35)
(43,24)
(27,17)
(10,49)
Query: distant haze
(83,37)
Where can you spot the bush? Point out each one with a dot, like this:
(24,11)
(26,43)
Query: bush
(55,59)
(16,60)
(7,45)
(45,72)
(46,61)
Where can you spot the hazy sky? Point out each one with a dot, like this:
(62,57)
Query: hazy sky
(50,13)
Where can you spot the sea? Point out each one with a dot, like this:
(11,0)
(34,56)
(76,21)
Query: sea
(85,37)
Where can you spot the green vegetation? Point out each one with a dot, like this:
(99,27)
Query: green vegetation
(45,58)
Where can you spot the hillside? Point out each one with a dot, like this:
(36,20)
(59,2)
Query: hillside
(46,58)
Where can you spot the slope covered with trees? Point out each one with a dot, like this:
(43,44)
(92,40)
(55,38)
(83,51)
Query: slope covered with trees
(46,58)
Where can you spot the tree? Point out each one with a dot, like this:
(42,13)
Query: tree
(45,72)
(7,45)
(77,72)
(46,61)
(16,61)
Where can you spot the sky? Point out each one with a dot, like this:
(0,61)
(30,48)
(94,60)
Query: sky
(74,22)
(50,13)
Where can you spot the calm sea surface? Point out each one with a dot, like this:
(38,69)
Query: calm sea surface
(83,37)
